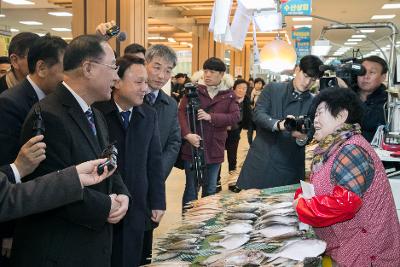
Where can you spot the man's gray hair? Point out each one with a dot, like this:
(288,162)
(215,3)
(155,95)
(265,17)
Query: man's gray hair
(162,51)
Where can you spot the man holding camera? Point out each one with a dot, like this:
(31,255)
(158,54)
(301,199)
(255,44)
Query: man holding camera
(276,157)
(218,110)
(372,92)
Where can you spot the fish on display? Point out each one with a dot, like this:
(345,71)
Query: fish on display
(277,230)
(240,216)
(299,250)
(233,241)
(238,228)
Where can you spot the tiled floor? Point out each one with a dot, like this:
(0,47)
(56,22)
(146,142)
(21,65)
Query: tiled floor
(176,184)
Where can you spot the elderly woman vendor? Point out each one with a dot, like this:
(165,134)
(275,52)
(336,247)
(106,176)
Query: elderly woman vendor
(353,208)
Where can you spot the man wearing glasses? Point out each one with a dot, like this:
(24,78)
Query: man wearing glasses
(78,234)
(276,156)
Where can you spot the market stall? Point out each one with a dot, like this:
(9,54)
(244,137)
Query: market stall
(252,228)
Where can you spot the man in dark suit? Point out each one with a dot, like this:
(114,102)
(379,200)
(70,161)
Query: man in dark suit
(135,128)
(45,65)
(17,52)
(160,60)
(78,234)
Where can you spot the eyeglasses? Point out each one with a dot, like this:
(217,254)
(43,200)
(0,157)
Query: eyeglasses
(114,67)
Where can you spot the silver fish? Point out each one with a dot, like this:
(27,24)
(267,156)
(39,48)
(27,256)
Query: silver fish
(298,250)
(233,241)
(277,230)
(240,216)
(238,228)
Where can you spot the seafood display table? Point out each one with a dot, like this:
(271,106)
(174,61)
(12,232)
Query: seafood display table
(251,228)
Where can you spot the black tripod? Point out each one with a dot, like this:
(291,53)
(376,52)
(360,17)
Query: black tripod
(198,153)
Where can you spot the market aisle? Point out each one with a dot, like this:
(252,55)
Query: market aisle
(176,184)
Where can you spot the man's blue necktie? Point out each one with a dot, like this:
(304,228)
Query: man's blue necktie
(90,118)
(151,98)
(125,118)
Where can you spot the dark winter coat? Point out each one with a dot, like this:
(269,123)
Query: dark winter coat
(224,111)
(274,158)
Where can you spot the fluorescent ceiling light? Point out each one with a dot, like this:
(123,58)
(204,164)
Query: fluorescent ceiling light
(350,43)
(302,19)
(30,22)
(258,5)
(358,36)
(60,14)
(61,29)
(156,38)
(354,40)
(67,38)
(383,16)
(2,16)
(171,40)
(367,30)
(40,34)
(391,6)
(14,30)
(18,2)
(301,26)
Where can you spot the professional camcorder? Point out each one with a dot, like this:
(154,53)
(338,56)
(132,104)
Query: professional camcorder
(111,153)
(301,124)
(347,70)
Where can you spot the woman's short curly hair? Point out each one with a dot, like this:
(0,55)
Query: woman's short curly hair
(338,99)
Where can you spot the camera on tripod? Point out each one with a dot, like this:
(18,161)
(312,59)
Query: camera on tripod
(111,153)
(301,124)
(347,70)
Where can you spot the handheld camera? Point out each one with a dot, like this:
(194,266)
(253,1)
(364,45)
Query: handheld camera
(111,153)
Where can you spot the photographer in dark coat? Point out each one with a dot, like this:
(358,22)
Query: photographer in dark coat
(372,92)
(276,156)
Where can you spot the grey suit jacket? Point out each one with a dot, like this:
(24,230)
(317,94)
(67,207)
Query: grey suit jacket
(47,192)
(170,132)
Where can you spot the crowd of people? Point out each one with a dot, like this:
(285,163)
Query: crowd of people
(87,99)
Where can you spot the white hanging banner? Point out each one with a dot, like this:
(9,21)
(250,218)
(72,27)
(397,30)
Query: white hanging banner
(256,52)
(240,25)
(219,23)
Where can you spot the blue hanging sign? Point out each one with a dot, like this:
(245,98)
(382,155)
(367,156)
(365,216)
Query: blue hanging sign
(302,41)
(296,7)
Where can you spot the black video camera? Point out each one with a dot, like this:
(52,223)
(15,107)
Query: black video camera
(301,124)
(347,71)
(111,153)
(190,90)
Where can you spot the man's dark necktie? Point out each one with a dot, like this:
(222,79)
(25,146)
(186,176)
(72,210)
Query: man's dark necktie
(151,98)
(90,118)
(125,118)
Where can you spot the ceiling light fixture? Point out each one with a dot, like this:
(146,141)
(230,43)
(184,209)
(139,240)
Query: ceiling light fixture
(358,36)
(383,16)
(391,6)
(171,40)
(61,29)
(302,19)
(14,30)
(30,22)
(354,40)
(367,31)
(18,2)
(60,14)
(350,43)
(301,26)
